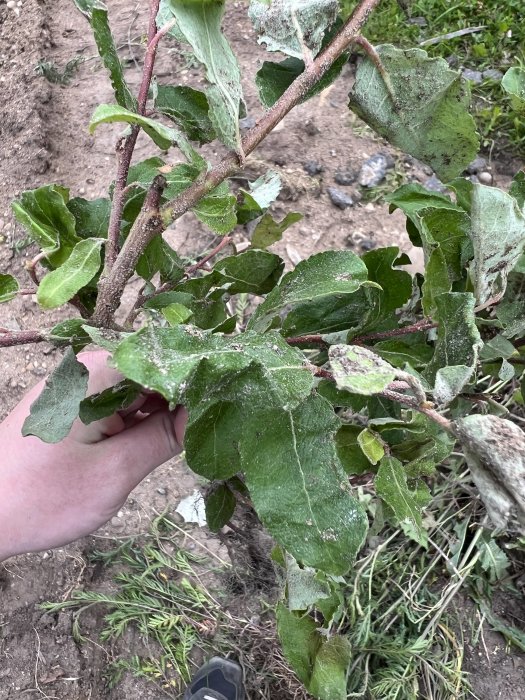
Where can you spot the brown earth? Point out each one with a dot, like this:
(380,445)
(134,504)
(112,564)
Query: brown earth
(44,139)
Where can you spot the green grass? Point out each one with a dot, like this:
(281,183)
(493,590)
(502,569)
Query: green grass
(499,46)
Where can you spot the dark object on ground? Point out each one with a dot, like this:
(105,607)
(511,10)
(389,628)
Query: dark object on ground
(345,177)
(312,167)
(475,76)
(339,199)
(477,165)
(219,679)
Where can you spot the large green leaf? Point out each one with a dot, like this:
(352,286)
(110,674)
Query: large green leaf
(513,82)
(200,24)
(220,506)
(298,486)
(391,486)
(44,214)
(457,345)
(325,274)
(359,370)
(8,288)
(300,640)
(189,109)
(97,15)
(328,680)
(162,135)
(165,359)
(107,402)
(254,271)
(53,412)
(293,28)
(62,284)
(422,108)
(498,238)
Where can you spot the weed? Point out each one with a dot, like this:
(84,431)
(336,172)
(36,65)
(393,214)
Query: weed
(51,72)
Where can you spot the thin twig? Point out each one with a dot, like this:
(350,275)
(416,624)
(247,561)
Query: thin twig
(9,338)
(193,268)
(452,35)
(424,325)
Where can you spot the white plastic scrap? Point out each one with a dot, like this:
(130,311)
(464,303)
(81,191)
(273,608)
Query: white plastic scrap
(192,509)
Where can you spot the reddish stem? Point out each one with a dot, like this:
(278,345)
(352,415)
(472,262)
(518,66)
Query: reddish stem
(193,268)
(424,325)
(9,338)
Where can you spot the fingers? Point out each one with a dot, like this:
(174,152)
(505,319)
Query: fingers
(148,444)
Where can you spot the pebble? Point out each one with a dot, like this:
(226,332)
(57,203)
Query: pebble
(475,76)
(312,167)
(434,185)
(374,169)
(485,177)
(11,4)
(367,245)
(339,199)
(492,74)
(116,522)
(476,166)
(2,224)
(345,177)
(310,128)
(162,491)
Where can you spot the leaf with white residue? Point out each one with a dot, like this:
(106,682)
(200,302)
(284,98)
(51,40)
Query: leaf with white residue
(359,370)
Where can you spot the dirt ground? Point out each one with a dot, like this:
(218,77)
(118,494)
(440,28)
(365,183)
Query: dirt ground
(44,139)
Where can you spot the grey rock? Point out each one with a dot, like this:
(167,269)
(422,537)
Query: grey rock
(418,21)
(475,76)
(367,245)
(476,166)
(339,199)
(312,167)
(434,184)
(345,177)
(247,123)
(162,491)
(311,128)
(485,177)
(492,74)
(452,60)
(374,169)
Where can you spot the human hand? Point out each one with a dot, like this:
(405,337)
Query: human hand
(52,494)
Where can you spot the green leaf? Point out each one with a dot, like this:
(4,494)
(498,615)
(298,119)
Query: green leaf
(189,109)
(372,445)
(328,680)
(108,402)
(254,271)
(268,231)
(495,452)
(498,237)
(62,284)
(162,135)
(517,188)
(349,451)
(44,214)
(513,82)
(160,257)
(359,370)
(493,559)
(265,190)
(303,586)
(176,314)
(165,359)
(325,274)
(97,15)
(53,412)
(298,487)
(200,24)
(91,217)
(273,79)
(8,288)
(70,332)
(391,486)
(421,109)
(220,507)
(457,347)
(400,352)
(293,28)
(300,641)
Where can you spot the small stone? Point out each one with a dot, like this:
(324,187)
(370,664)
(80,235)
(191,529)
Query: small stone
(492,74)
(476,166)
(279,159)
(2,224)
(475,76)
(345,177)
(485,177)
(162,491)
(310,128)
(82,190)
(312,167)
(374,169)
(116,522)
(473,178)
(452,60)
(367,245)
(11,4)
(434,184)
(247,123)
(339,199)
(418,21)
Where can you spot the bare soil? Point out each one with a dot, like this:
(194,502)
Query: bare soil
(44,139)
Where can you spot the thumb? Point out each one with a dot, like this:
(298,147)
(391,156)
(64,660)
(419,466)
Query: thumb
(149,443)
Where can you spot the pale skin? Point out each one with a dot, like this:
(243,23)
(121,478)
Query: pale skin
(53,494)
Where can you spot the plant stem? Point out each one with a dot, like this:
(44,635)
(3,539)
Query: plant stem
(125,147)
(224,242)
(114,280)
(423,408)
(307,340)
(9,338)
